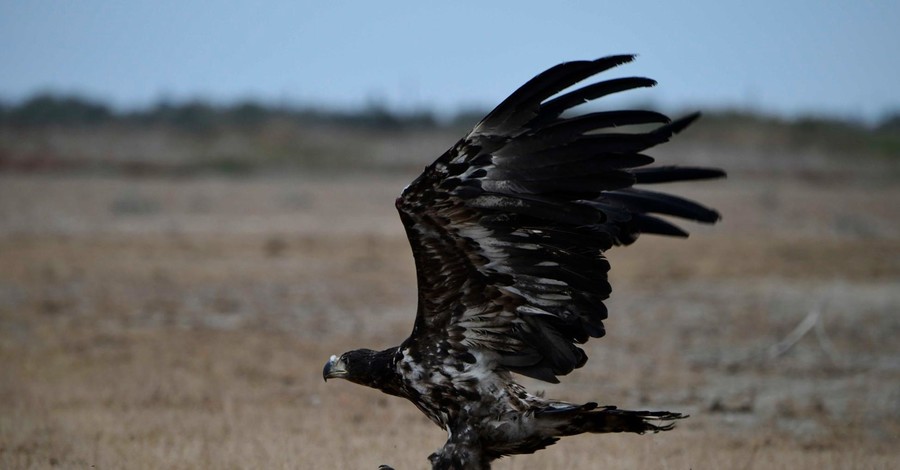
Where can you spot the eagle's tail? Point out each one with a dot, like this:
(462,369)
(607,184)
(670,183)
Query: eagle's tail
(589,418)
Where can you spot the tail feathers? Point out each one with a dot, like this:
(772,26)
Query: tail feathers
(607,419)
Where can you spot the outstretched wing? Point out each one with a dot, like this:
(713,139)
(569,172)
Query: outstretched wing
(508,227)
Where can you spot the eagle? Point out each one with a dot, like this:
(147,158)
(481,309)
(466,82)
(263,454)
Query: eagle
(508,229)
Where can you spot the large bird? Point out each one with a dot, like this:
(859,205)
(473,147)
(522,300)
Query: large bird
(508,230)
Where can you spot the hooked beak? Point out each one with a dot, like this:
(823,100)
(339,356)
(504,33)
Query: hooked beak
(334,368)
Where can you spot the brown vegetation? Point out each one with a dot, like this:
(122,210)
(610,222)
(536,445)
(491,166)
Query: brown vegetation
(164,322)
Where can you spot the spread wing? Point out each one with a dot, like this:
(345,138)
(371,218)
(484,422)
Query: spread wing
(509,226)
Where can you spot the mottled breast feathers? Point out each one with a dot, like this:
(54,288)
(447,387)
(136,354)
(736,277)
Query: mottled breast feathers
(509,226)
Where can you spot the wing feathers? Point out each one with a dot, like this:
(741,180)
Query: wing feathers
(534,207)
(555,107)
(519,107)
(563,161)
(638,200)
(508,227)
(667,174)
(564,130)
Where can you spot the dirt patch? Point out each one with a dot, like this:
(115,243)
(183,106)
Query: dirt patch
(183,323)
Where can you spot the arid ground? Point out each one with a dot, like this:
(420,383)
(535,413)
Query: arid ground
(183,322)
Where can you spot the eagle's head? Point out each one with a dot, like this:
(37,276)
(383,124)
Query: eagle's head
(362,366)
(339,366)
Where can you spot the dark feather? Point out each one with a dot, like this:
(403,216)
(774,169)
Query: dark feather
(648,201)
(649,224)
(520,107)
(508,230)
(564,130)
(553,108)
(537,200)
(564,161)
(668,174)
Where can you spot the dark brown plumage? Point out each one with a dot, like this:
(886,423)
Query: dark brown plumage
(508,230)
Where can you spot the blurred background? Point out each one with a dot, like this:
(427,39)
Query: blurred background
(196,210)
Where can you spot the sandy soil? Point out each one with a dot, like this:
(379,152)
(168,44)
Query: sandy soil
(183,323)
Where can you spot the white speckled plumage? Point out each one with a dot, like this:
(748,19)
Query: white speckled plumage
(508,230)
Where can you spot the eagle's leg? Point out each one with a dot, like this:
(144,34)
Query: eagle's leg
(461,452)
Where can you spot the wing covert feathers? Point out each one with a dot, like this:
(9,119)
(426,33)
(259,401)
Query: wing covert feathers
(509,226)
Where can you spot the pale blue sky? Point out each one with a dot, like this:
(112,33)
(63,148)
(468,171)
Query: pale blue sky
(788,57)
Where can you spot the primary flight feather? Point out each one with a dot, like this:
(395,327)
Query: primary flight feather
(508,230)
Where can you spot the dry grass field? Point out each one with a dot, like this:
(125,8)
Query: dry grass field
(165,322)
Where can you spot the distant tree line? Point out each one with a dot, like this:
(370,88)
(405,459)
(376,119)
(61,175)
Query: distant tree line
(43,110)
(56,133)
(51,110)
(57,110)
